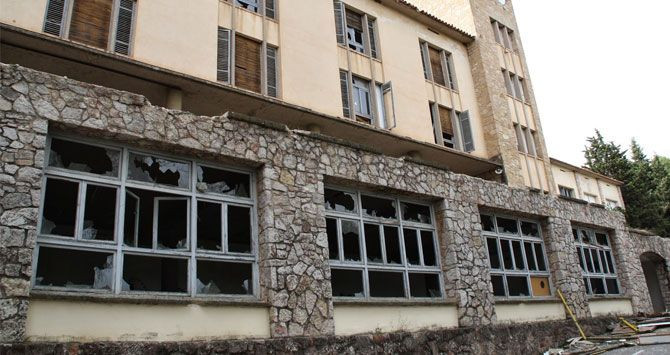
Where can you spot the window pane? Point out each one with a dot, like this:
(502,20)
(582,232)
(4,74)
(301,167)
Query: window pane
(156,274)
(498,285)
(350,241)
(612,286)
(488,224)
(373,245)
(587,259)
(518,255)
(596,260)
(209,226)
(331,230)
(585,237)
(340,201)
(579,256)
(386,284)
(597,286)
(602,239)
(392,243)
(157,170)
(415,213)
(172,223)
(494,258)
(411,246)
(75,269)
(347,283)
(424,285)
(507,226)
(530,229)
(608,255)
(603,261)
(239,229)
(60,207)
(224,278)
(540,286)
(575,235)
(99,213)
(528,247)
(222,182)
(378,207)
(131,219)
(517,285)
(586,286)
(84,157)
(428,248)
(506,254)
(539,256)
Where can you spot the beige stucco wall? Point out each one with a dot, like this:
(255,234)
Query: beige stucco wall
(456,12)
(529,312)
(610,192)
(88,321)
(354,319)
(610,307)
(564,177)
(28,14)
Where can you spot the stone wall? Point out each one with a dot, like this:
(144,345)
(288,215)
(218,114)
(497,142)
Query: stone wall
(292,168)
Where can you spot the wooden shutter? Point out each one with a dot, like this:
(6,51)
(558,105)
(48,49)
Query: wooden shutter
(466,131)
(247,64)
(223,56)
(389,103)
(445,120)
(270,8)
(53,22)
(271,72)
(124,25)
(436,65)
(436,127)
(354,20)
(90,22)
(344,89)
(373,39)
(339,22)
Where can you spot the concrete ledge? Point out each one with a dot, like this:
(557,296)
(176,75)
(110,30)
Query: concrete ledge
(610,306)
(356,319)
(147,299)
(529,312)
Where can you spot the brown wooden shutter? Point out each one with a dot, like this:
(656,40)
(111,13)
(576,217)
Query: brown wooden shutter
(90,22)
(445,120)
(436,66)
(247,64)
(354,20)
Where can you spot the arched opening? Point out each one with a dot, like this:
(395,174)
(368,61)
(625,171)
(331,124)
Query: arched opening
(656,275)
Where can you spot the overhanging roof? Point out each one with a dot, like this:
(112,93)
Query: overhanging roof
(586,171)
(204,97)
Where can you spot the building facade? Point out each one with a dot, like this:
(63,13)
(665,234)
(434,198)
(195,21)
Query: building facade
(265,169)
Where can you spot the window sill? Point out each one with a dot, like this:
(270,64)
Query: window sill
(607,297)
(149,299)
(517,300)
(517,99)
(368,56)
(455,91)
(400,302)
(577,200)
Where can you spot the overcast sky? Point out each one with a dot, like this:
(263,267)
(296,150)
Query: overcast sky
(601,64)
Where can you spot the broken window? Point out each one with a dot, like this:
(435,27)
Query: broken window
(215,277)
(355,31)
(381,261)
(566,191)
(83,157)
(150,208)
(437,65)
(74,269)
(222,182)
(516,257)
(595,257)
(362,100)
(251,5)
(350,29)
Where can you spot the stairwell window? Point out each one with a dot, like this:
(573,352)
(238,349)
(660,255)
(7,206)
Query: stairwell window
(594,252)
(103,24)
(503,35)
(515,85)
(525,138)
(437,65)
(355,30)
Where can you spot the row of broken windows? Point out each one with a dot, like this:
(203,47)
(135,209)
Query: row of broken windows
(594,253)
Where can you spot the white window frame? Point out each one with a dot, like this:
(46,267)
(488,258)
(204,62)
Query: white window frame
(501,237)
(601,251)
(405,267)
(118,248)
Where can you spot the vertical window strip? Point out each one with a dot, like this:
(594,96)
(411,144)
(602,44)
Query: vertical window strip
(223,56)
(466,131)
(270,11)
(124,25)
(423,46)
(596,259)
(271,71)
(339,22)
(373,39)
(53,22)
(344,89)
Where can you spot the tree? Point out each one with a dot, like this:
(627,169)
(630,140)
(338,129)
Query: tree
(606,158)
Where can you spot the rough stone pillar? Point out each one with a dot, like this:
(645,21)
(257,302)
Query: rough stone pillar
(629,270)
(294,249)
(564,265)
(21,158)
(465,263)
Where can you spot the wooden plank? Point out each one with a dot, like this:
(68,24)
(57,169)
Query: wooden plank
(90,22)
(436,66)
(247,64)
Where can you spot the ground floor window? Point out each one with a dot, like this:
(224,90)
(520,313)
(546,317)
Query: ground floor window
(118,220)
(594,253)
(516,256)
(381,247)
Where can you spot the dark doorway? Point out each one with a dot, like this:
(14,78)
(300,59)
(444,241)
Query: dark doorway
(656,275)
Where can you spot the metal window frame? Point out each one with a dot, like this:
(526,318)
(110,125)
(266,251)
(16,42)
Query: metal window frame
(118,248)
(405,267)
(501,237)
(601,251)
(363,85)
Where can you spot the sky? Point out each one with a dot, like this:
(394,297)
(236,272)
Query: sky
(599,64)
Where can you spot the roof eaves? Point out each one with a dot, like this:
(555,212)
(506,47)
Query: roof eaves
(463,33)
(586,171)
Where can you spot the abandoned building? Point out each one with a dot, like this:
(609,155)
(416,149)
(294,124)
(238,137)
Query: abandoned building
(270,169)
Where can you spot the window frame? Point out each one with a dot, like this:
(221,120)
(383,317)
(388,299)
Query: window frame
(446,61)
(366,22)
(457,139)
(601,251)
(569,190)
(364,266)
(119,249)
(522,239)
(261,9)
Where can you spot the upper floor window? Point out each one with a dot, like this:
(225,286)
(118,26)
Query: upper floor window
(525,138)
(591,198)
(104,24)
(503,35)
(611,204)
(438,66)
(381,247)
(515,85)
(258,6)
(566,191)
(516,256)
(372,104)
(452,128)
(594,253)
(355,30)
(248,71)
(118,220)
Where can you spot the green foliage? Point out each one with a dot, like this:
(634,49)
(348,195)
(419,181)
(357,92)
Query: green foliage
(646,188)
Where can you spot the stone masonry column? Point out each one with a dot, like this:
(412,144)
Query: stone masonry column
(564,265)
(22,141)
(629,270)
(294,248)
(465,262)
